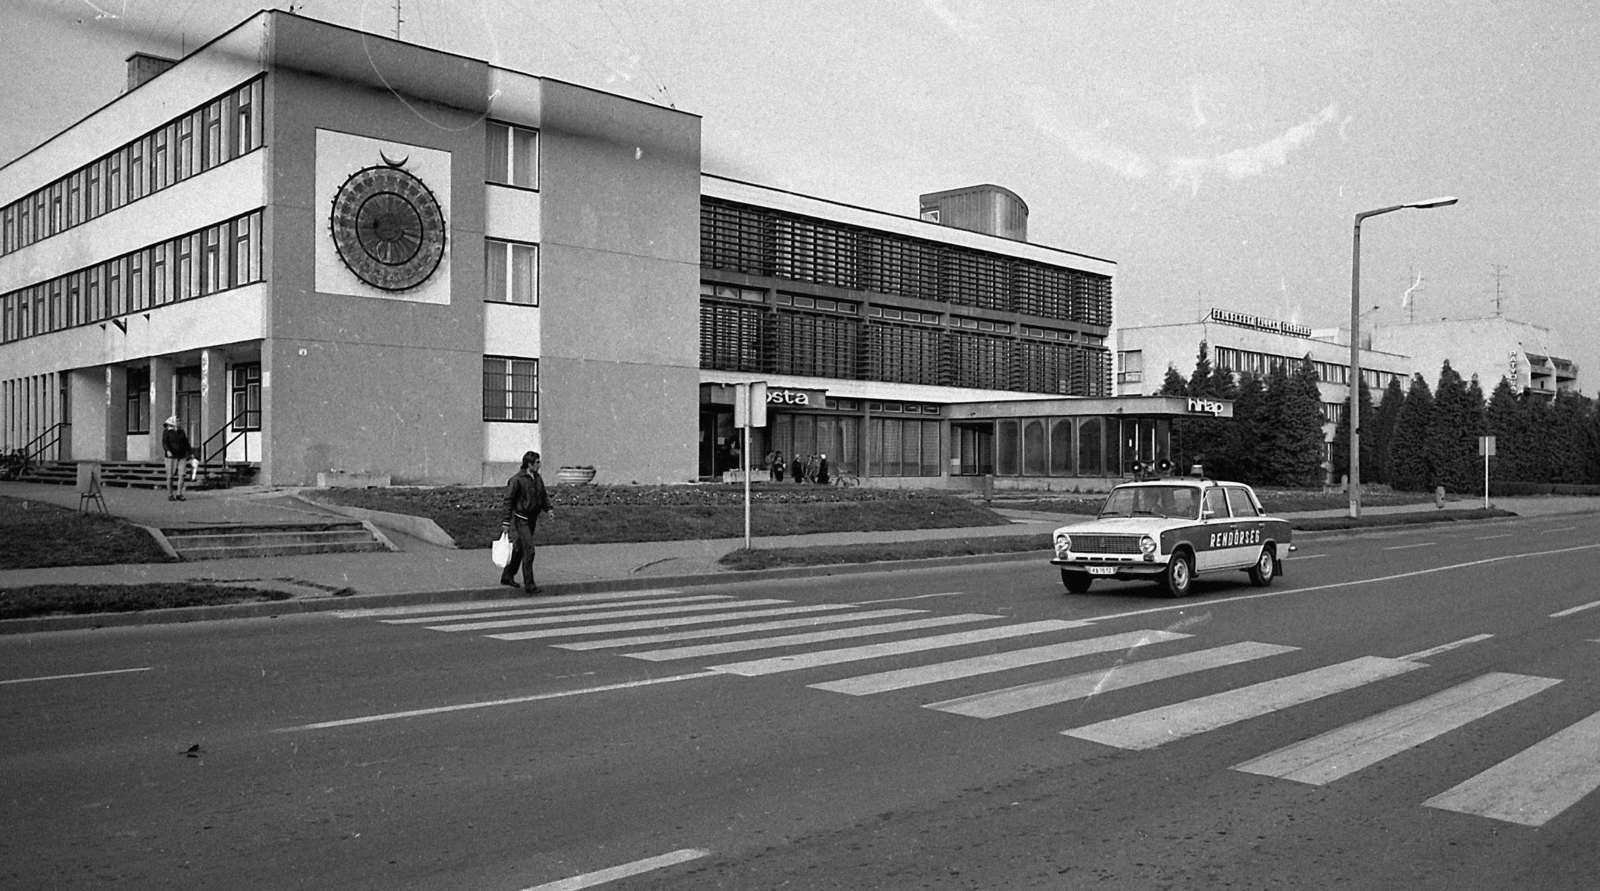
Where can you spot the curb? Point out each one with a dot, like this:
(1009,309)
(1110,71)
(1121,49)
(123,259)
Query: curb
(420,528)
(274,609)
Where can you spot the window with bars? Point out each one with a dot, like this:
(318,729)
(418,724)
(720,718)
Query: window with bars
(732,337)
(511,272)
(511,155)
(510,389)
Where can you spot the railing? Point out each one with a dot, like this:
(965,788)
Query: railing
(220,453)
(17,461)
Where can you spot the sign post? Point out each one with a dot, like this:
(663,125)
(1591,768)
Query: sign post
(1486,449)
(749,410)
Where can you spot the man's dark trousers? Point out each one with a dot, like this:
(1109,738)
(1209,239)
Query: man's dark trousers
(521,554)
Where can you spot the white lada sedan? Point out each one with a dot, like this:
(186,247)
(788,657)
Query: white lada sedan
(1170,531)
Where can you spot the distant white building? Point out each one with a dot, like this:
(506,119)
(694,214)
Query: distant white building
(1530,356)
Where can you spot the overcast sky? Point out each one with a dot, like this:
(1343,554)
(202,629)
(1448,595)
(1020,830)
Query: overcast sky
(1216,151)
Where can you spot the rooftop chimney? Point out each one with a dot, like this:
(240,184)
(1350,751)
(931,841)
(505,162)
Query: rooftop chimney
(985,208)
(144,66)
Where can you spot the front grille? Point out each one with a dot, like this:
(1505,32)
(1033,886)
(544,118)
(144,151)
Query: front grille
(1105,544)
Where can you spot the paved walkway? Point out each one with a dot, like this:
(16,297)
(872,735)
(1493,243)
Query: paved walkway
(424,570)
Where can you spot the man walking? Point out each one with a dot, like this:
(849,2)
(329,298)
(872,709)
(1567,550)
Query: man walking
(526,499)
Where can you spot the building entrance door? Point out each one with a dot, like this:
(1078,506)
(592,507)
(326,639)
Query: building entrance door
(186,404)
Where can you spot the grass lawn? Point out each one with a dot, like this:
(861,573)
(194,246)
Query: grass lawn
(71,600)
(593,514)
(40,535)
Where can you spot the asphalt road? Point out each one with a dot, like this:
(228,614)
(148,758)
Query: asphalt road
(1405,709)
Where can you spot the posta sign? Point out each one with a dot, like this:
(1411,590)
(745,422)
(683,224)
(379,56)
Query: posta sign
(808,398)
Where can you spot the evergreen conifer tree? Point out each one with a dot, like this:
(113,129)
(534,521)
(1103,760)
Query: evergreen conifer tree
(1302,443)
(1237,459)
(1504,423)
(1410,465)
(1453,435)
(1379,430)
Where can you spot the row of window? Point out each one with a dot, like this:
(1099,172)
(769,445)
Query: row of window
(893,446)
(1087,446)
(741,337)
(217,132)
(244,397)
(1328,372)
(209,260)
(758,241)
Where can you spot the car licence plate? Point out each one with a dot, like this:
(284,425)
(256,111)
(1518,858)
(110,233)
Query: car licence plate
(1102,570)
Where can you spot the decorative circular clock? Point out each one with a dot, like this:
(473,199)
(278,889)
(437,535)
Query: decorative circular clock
(388,227)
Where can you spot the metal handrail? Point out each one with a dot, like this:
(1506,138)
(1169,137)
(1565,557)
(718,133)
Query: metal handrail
(221,451)
(53,431)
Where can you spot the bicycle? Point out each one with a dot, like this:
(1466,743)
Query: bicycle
(14,464)
(846,479)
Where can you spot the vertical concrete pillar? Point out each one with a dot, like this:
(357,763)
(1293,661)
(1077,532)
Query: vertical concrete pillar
(116,413)
(86,403)
(213,401)
(162,375)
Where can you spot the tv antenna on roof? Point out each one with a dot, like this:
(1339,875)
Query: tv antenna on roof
(1499,276)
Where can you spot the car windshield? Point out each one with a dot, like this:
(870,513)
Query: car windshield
(1153,501)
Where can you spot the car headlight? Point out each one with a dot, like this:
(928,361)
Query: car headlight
(1147,544)
(1063,542)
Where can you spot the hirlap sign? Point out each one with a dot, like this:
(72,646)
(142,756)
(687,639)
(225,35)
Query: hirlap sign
(1198,405)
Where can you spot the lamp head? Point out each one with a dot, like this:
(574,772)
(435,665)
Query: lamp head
(1444,201)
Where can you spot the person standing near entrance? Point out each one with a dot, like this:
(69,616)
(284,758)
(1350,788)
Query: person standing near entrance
(525,500)
(175,446)
(777,466)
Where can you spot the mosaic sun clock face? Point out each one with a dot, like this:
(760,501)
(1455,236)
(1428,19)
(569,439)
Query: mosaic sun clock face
(388,227)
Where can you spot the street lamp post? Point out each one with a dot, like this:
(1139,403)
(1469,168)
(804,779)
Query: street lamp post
(1355,342)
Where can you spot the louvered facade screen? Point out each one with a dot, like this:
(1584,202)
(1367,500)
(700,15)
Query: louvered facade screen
(771,339)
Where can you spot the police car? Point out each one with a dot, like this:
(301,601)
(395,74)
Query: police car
(1170,531)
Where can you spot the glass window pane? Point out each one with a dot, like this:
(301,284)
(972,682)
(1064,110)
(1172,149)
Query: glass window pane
(524,274)
(1090,451)
(496,158)
(1035,455)
(494,271)
(525,158)
(1061,447)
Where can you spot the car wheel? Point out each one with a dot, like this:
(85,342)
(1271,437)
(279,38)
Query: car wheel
(1266,567)
(1179,575)
(1076,582)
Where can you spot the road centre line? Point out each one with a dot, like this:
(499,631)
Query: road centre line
(915,597)
(498,603)
(1559,529)
(1577,609)
(1298,556)
(465,706)
(81,674)
(1420,544)
(1487,537)
(600,877)
(1335,585)
(1444,648)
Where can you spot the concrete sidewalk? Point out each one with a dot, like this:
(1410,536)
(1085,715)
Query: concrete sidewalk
(422,571)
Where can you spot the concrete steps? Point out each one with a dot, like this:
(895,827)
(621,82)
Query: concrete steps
(137,475)
(276,540)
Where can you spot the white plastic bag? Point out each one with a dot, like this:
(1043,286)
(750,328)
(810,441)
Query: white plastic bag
(500,551)
(194,469)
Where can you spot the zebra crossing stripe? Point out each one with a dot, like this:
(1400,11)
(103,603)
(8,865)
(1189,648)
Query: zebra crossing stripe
(757,667)
(1092,683)
(663,622)
(1148,729)
(1536,784)
(1337,753)
(418,609)
(729,630)
(522,609)
(589,616)
(901,678)
(787,640)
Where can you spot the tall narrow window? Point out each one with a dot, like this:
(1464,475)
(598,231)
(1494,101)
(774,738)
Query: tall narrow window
(246,397)
(512,156)
(511,272)
(510,389)
(138,415)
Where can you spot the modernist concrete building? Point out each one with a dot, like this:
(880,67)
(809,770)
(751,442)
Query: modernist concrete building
(1531,357)
(324,250)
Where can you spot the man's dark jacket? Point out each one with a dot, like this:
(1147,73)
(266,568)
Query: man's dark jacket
(525,497)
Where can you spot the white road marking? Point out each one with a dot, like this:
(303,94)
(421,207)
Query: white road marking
(81,674)
(591,615)
(664,622)
(523,609)
(1299,556)
(1560,529)
(1337,753)
(1487,537)
(465,706)
(758,667)
(1333,586)
(1158,726)
(787,640)
(899,679)
(913,597)
(1536,784)
(1444,648)
(1092,683)
(1577,609)
(640,640)
(600,877)
(420,608)
(1420,544)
